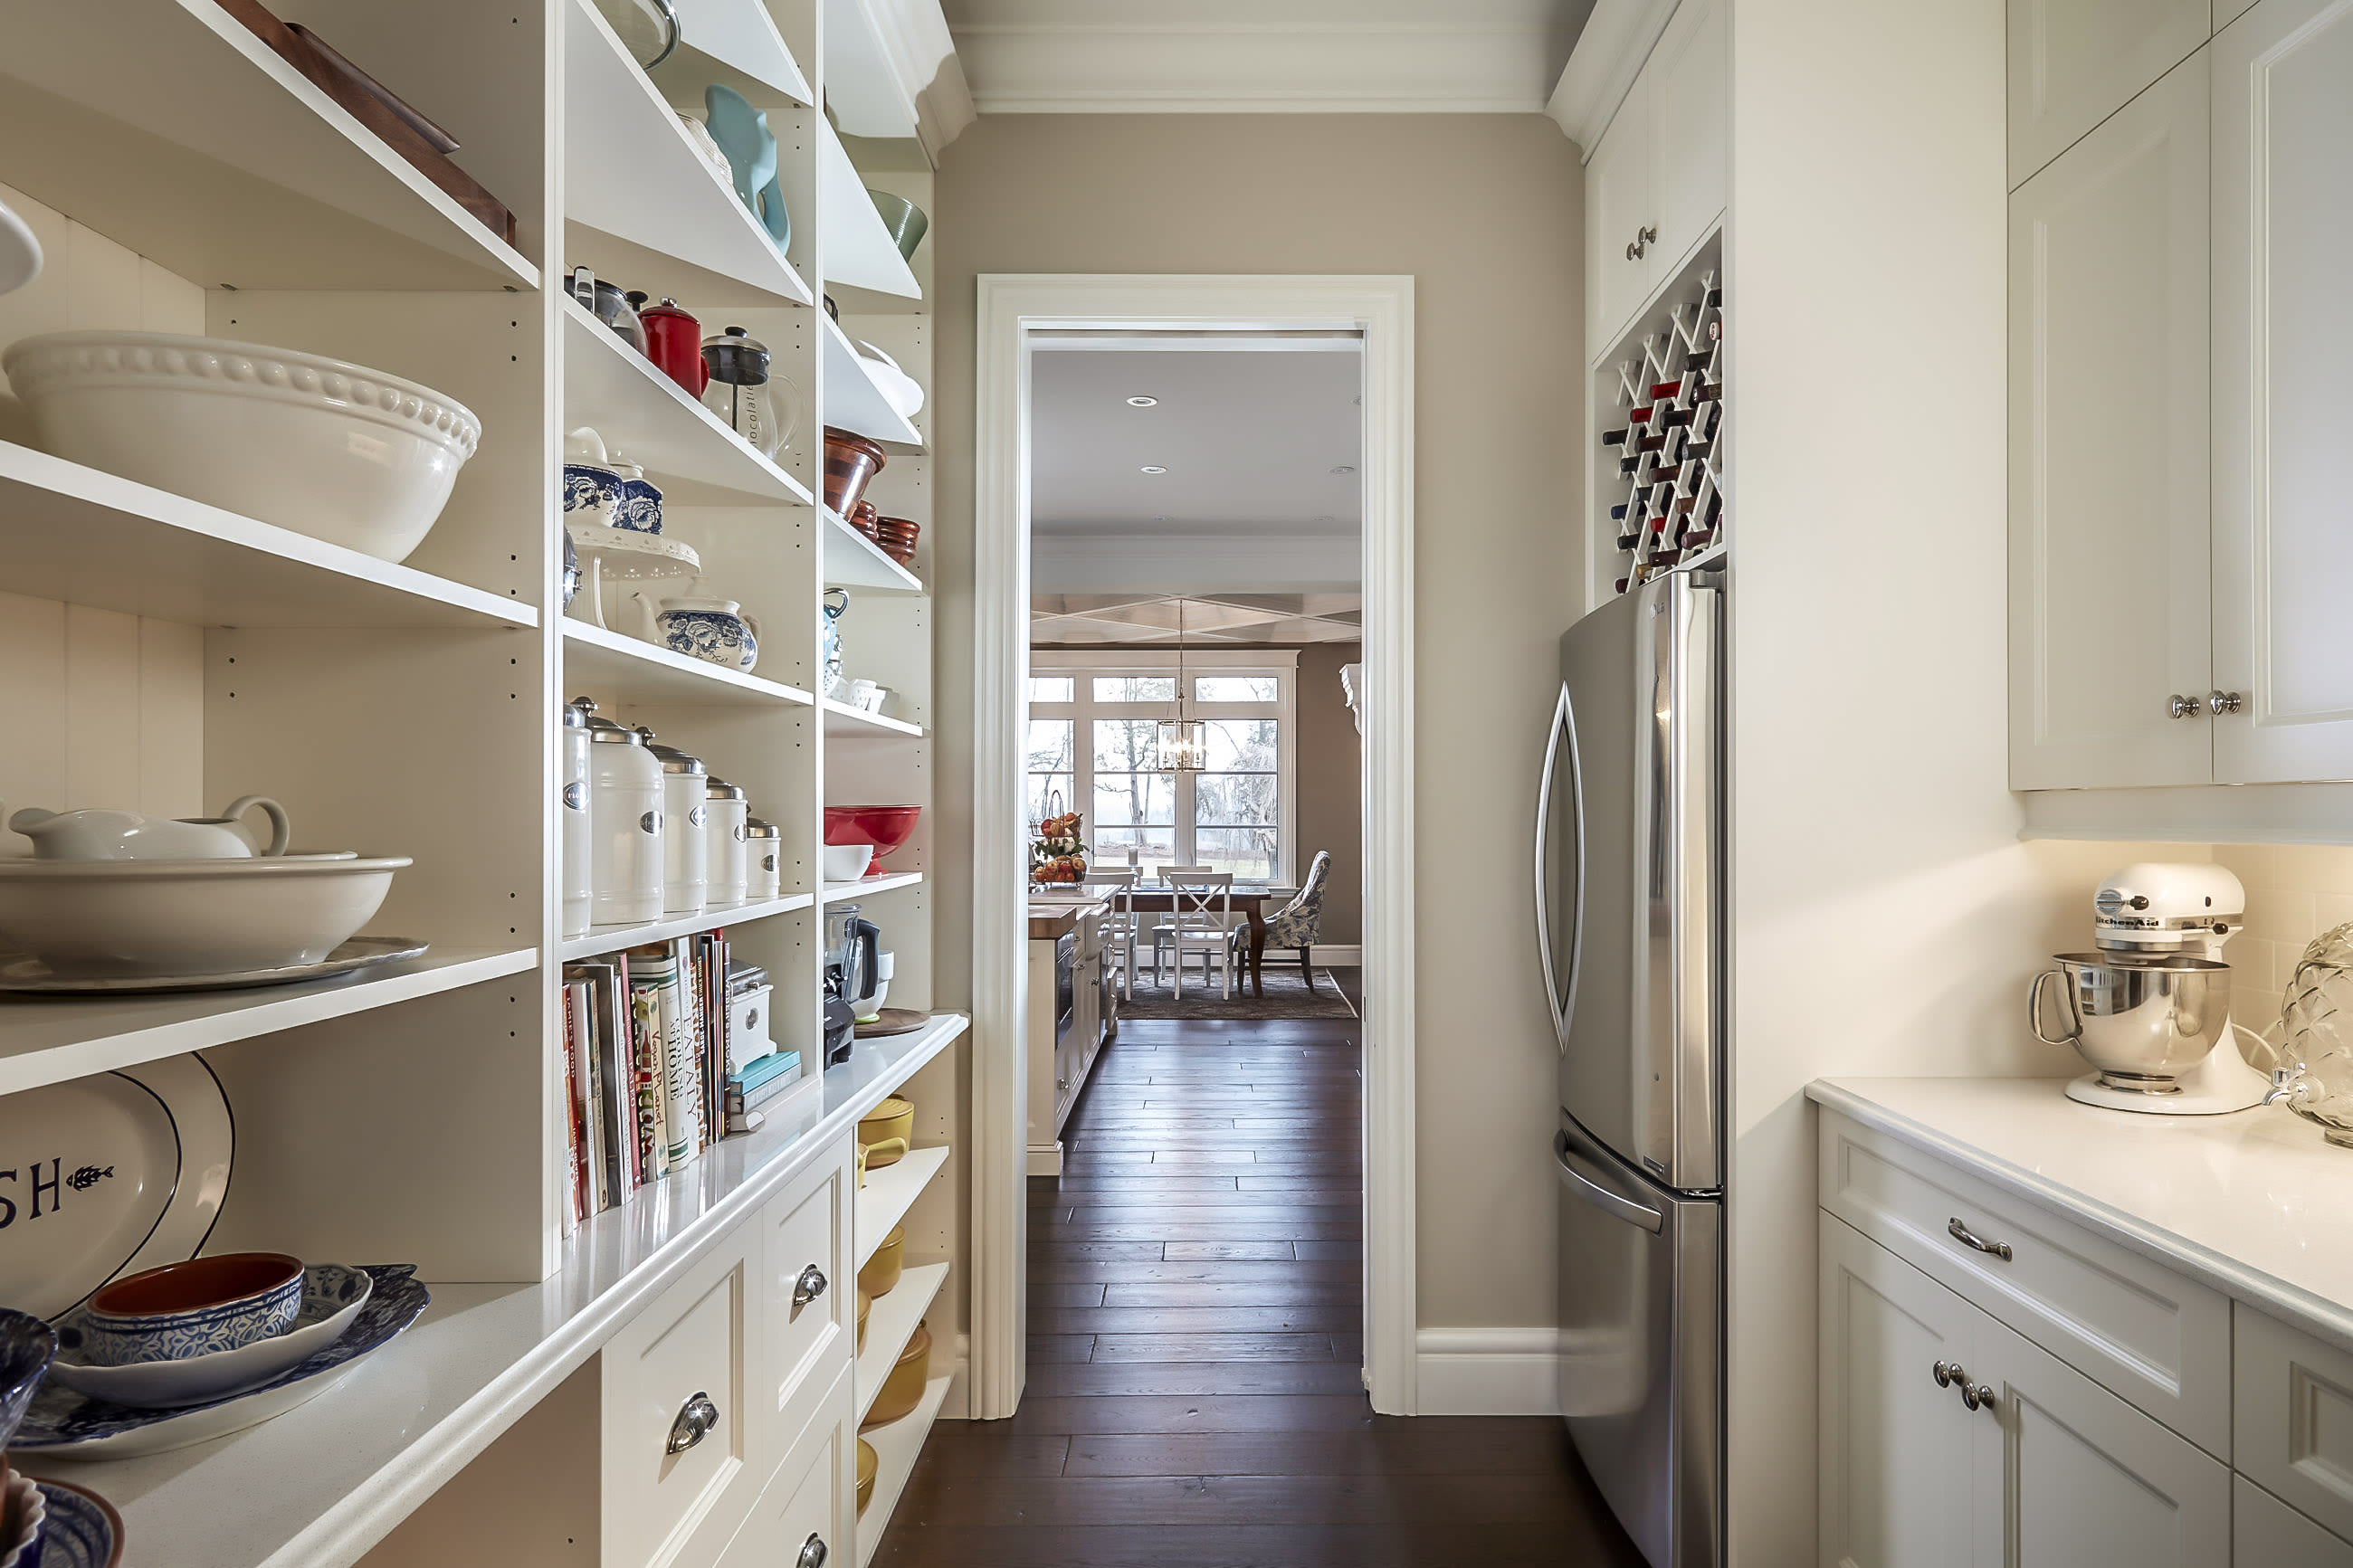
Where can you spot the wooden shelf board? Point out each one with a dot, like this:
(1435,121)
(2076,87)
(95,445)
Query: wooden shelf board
(50,1040)
(891,1323)
(852,400)
(613,937)
(74,533)
(170,129)
(854,561)
(836,892)
(888,1194)
(615,666)
(647,418)
(859,251)
(896,1448)
(632,173)
(843,721)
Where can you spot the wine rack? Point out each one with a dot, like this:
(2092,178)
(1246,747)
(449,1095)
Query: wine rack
(1667,446)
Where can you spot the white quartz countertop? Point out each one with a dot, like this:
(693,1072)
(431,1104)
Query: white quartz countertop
(2253,1204)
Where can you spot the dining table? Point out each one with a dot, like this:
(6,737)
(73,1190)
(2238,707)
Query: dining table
(1160,899)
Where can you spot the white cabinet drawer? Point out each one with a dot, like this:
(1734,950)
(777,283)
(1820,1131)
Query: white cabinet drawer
(808,1299)
(2293,1417)
(2157,1339)
(809,1510)
(663,1508)
(2267,1533)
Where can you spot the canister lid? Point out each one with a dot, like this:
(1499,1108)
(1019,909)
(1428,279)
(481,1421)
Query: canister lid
(604,730)
(673,760)
(576,711)
(720,789)
(755,828)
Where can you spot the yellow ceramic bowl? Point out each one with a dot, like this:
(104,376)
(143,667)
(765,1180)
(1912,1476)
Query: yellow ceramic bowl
(867,1460)
(865,1305)
(904,1389)
(891,1123)
(882,1270)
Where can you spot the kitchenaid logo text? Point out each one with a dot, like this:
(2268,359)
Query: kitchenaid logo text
(55,1183)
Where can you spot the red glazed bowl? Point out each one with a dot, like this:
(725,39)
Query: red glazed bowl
(884,826)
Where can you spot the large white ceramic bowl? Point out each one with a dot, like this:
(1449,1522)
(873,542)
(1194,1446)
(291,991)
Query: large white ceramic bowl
(337,451)
(91,919)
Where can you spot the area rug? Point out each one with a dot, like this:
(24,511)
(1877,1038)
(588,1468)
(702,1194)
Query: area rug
(1287,996)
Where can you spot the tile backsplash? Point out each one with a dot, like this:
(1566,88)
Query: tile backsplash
(2294,891)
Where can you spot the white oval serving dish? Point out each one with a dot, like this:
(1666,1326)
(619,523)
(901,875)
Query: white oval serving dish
(118,917)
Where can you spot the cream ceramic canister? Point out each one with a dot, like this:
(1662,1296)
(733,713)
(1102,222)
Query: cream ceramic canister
(763,846)
(625,825)
(578,887)
(686,850)
(726,829)
(714,630)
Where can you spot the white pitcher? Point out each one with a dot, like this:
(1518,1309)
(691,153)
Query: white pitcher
(102,833)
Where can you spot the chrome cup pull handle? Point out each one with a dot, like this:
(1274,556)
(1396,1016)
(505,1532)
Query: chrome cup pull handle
(808,1286)
(695,1420)
(1967,1237)
(813,1552)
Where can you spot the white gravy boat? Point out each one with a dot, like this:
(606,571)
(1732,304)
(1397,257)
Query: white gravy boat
(101,834)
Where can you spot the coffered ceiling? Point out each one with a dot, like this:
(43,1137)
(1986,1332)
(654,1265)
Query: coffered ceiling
(1114,620)
(1207,57)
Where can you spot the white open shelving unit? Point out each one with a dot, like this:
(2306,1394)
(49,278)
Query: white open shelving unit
(169,655)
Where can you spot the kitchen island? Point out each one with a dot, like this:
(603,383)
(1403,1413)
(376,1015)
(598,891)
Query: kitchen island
(1073,1014)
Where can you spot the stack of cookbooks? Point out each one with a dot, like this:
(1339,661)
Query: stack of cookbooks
(644,1054)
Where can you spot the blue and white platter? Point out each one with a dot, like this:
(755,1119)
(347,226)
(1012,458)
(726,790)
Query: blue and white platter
(74,1425)
(81,1530)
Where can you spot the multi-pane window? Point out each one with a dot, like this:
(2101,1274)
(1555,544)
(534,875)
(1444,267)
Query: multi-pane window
(1094,721)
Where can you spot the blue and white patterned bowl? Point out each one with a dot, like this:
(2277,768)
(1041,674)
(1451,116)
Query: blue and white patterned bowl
(715,636)
(79,1529)
(197,1307)
(591,493)
(333,1296)
(640,508)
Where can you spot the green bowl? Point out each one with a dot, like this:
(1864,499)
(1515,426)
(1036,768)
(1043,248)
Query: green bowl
(904,218)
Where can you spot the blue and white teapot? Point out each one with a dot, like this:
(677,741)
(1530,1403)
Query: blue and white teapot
(714,630)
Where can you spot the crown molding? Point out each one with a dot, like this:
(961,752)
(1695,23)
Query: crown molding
(1254,67)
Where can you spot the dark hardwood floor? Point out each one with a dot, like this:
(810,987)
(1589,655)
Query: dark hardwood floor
(1195,1310)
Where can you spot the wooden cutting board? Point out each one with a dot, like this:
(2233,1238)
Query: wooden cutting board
(893,1021)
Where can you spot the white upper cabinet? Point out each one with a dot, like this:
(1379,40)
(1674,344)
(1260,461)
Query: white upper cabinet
(2108,509)
(2073,63)
(2283,413)
(1655,183)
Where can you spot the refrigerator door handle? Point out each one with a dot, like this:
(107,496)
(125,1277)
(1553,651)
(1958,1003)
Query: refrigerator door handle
(1600,1197)
(1560,990)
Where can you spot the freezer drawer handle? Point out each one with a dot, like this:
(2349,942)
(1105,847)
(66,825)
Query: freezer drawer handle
(1967,1237)
(1601,1197)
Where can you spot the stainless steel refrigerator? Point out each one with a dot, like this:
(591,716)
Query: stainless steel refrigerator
(1630,916)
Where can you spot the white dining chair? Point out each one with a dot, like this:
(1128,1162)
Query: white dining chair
(1160,927)
(1120,926)
(1201,922)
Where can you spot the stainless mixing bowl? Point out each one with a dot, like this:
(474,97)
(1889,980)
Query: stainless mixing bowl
(2140,1019)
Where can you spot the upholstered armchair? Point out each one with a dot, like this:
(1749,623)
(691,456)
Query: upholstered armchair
(1297,923)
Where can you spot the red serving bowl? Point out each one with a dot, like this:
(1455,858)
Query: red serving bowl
(884,826)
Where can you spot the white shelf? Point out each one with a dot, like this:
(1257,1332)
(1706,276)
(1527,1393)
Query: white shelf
(617,667)
(896,1448)
(837,892)
(888,1194)
(649,419)
(891,1323)
(614,938)
(669,222)
(842,721)
(852,401)
(854,561)
(735,44)
(859,250)
(323,1482)
(172,129)
(861,89)
(72,532)
(50,1040)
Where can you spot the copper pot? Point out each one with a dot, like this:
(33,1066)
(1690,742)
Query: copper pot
(851,461)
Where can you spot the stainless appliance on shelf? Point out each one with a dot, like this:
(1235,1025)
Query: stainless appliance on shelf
(1631,919)
(853,947)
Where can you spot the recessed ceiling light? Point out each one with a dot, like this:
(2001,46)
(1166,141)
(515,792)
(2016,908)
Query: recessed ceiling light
(1151,469)
(1140,400)
(1345,468)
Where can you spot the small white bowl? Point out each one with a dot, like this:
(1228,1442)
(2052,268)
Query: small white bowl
(106,918)
(846,862)
(336,451)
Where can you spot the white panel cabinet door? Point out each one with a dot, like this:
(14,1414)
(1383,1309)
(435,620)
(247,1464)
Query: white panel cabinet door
(2067,1475)
(1896,1445)
(1690,128)
(1618,208)
(2109,540)
(2073,63)
(2267,1533)
(2283,232)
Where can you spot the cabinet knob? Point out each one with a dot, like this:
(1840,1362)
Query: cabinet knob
(2221,702)
(695,1419)
(813,1552)
(808,1286)
(1978,1396)
(1642,242)
(2180,707)
(1945,1370)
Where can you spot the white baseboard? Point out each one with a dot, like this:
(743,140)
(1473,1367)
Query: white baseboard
(1333,956)
(957,1405)
(1046,1159)
(1487,1371)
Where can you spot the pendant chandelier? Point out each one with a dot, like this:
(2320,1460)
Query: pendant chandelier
(1182,746)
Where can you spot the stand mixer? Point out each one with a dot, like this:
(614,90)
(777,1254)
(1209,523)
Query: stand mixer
(2151,1010)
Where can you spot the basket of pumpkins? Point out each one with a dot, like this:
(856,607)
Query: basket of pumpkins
(1058,853)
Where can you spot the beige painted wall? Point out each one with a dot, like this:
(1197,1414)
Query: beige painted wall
(1331,787)
(1486,213)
